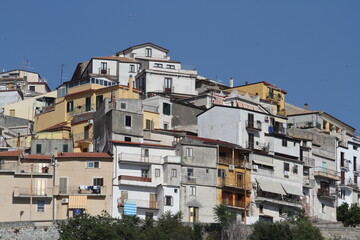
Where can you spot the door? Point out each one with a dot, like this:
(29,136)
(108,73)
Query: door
(62,185)
(251,141)
(153,200)
(193,214)
(40,187)
(323,166)
(250,120)
(240,180)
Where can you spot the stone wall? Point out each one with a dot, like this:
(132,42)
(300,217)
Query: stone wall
(29,232)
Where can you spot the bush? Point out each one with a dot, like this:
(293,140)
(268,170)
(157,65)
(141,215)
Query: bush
(349,216)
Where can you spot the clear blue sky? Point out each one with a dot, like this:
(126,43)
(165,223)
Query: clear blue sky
(309,48)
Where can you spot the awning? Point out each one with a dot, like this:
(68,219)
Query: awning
(270,186)
(262,160)
(77,202)
(293,190)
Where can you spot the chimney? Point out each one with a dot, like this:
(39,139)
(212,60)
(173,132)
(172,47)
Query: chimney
(306,106)
(231,82)
(113,101)
(130,83)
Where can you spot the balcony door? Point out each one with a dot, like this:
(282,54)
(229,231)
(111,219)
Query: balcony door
(251,141)
(40,187)
(63,185)
(152,200)
(194,214)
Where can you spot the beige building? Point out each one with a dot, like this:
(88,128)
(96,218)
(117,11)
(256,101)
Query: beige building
(83,183)
(30,193)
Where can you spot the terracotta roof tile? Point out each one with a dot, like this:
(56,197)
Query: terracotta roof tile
(216,141)
(143,144)
(37,156)
(83,155)
(16,153)
(116,58)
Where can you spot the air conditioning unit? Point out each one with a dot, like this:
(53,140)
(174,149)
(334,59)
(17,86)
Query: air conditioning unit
(286,173)
(91,121)
(231,167)
(255,167)
(65,200)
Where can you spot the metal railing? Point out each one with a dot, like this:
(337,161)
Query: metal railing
(228,182)
(83,108)
(234,203)
(277,129)
(309,124)
(135,157)
(230,161)
(325,192)
(35,192)
(139,203)
(344,163)
(104,71)
(191,179)
(326,172)
(134,178)
(253,124)
(258,145)
(80,190)
(168,89)
(274,97)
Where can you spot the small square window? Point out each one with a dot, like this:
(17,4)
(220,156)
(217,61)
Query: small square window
(127,139)
(192,191)
(65,148)
(189,152)
(123,105)
(32,88)
(175,190)
(40,206)
(174,173)
(284,143)
(93,164)
(38,148)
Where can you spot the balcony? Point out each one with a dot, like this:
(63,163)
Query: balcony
(136,181)
(273,97)
(191,180)
(105,71)
(348,184)
(305,125)
(35,192)
(83,137)
(326,173)
(36,169)
(308,162)
(234,203)
(168,89)
(344,164)
(326,194)
(230,161)
(308,183)
(290,202)
(83,109)
(81,190)
(258,146)
(147,204)
(239,185)
(277,130)
(252,125)
(139,158)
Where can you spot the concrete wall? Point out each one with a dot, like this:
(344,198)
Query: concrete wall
(185,117)
(48,146)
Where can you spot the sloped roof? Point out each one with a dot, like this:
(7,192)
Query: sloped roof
(117,58)
(37,157)
(83,155)
(143,45)
(15,153)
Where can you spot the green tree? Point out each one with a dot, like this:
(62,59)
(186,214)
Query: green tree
(348,215)
(342,212)
(264,230)
(225,217)
(304,230)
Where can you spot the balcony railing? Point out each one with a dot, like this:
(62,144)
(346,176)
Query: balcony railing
(258,146)
(277,199)
(85,136)
(254,125)
(277,129)
(305,125)
(168,89)
(139,203)
(274,97)
(230,161)
(133,178)
(326,193)
(308,162)
(80,190)
(232,183)
(234,203)
(134,157)
(104,71)
(326,173)
(34,192)
(83,108)
(344,164)
(191,179)
(36,169)
(348,183)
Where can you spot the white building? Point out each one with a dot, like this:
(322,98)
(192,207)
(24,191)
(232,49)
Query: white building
(147,175)
(159,74)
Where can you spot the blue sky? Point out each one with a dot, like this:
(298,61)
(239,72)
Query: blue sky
(309,48)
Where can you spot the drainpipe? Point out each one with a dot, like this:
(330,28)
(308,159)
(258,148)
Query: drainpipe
(54,157)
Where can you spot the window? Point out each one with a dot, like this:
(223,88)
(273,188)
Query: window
(355,147)
(38,148)
(168,201)
(65,148)
(157,172)
(189,152)
(98,181)
(170,66)
(99,100)
(295,169)
(149,124)
(63,185)
(174,173)
(168,84)
(286,167)
(132,68)
(355,179)
(221,173)
(40,206)
(166,108)
(284,143)
(190,172)
(70,106)
(192,191)
(127,121)
(127,139)
(175,190)
(148,52)
(158,65)
(193,214)
(93,164)
(87,104)
(123,105)
(32,88)
(355,163)
(166,126)
(145,173)
(103,68)
(12,112)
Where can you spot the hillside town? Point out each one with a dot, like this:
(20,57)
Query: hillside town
(138,133)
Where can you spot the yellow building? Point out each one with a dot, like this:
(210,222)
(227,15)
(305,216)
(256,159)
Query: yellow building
(266,91)
(76,109)
(234,178)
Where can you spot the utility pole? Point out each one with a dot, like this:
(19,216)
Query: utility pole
(31,189)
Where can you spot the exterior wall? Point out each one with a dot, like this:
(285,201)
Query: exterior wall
(305,121)
(158,102)
(153,117)
(111,66)
(96,203)
(125,73)
(9,97)
(26,108)
(48,146)
(184,117)
(140,52)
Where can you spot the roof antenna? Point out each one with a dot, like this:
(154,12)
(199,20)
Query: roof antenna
(62,73)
